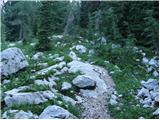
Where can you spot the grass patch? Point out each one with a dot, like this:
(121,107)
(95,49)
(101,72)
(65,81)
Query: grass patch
(127,74)
(67,77)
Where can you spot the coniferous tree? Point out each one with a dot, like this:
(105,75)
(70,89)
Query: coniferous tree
(44,27)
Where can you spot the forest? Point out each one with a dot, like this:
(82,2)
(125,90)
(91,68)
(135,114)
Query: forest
(79,59)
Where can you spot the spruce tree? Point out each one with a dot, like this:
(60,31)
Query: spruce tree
(44,27)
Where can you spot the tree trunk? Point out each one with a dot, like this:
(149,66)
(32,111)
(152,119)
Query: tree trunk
(98,22)
(69,24)
(21,32)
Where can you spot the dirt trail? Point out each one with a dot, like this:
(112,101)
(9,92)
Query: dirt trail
(94,102)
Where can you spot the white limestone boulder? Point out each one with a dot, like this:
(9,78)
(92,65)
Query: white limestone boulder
(28,98)
(82,81)
(18,114)
(12,60)
(55,112)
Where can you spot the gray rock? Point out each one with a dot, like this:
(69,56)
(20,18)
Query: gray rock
(113,102)
(154,95)
(82,81)
(103,40)
(66,86)
(150,84)
(143,92)
(147,101)
(53,67)
(116,46)
(73,56)
(16,90)
(28,98)
(18,114)
(155,74)
(91,52)
(59,59)
(146,106)
(50,82)
(69,100)
(6,81)
(81,48)
(153,62)
(37,55)
(141,117)
(43,64)
(98,74)
(12,60)
(149,69)
(64,69)
(79,99)
(52,112)
(32,44)
(145,60)
(156,113)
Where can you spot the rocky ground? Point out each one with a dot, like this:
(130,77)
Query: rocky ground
(67,83)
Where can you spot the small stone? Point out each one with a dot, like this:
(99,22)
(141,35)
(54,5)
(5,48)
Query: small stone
(81,48)
(73,56)
(116,46)
(32,44)
(143,92)
(150,69)
(37,56)
(66,86)
(145,60)
(43,64)
(146,106)
(91,52)
(141,117)
(155,74)
(153,62)
(59,59)
(156,113)
(113,97)
(6,81)
(120,95)
(113,102)
(79,99)
(69,100)
(82,81)
(64,69)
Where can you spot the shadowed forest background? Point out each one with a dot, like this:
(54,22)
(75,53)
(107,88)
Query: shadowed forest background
(121,22)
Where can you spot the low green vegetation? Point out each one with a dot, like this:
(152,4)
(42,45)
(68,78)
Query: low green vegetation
(127,74)
(67,77)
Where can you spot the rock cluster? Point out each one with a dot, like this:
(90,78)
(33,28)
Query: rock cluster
(148,95)
(152,65)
